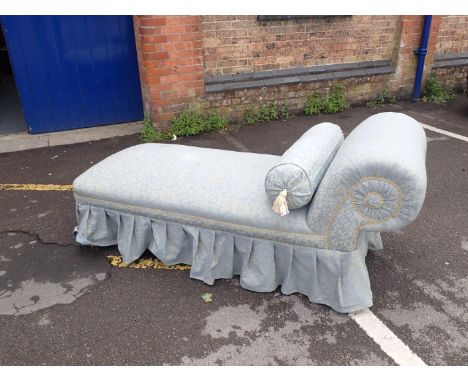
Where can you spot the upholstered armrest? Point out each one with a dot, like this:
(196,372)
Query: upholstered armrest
(376,182)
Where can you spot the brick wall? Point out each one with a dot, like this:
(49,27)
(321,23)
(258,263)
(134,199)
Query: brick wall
(170,64)
(404,35)
(234,44)
(453,35)
(236,103)
(407,41)
(452,39)
(176,53)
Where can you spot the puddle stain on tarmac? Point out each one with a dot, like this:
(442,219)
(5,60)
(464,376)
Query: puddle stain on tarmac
(247,336)
(33,296)
(44,275)
(464,244)
(439,329)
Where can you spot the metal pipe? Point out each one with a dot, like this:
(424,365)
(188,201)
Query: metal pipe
(421,52)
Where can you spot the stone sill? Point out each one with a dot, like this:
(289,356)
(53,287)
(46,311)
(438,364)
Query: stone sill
(450,60)
(317,73)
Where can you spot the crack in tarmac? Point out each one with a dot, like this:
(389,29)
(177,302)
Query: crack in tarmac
(35,236)
(44,275)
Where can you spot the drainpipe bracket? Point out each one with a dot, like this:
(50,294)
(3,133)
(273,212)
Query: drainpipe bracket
(420,52)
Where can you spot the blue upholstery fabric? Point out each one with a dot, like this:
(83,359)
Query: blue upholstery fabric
(337,279)
(221,185)
(376,182)
(302,166)
(208,208)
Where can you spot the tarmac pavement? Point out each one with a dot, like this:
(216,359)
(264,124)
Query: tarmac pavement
(65,304)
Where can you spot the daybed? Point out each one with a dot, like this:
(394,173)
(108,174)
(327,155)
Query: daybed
(213,208)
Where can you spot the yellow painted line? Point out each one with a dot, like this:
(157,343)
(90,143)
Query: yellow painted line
(36,187)
(116,261)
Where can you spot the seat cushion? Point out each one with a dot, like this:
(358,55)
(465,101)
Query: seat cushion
(220,185)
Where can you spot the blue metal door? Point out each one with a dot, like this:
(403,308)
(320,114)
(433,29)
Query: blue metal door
(74,71)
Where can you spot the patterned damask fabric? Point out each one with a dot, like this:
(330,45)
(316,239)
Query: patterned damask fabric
(209,208)
(376,182)
(225,186)
(337,279)
(302,166)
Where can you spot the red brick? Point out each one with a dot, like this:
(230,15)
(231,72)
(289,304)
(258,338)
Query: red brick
(160,72)
(180,53)
(183,20)
(155,55)
(173,29)
(149,31)
(190,37)
(153,38)
(160,88)
(169,94)
(173,37)
(162,117)
(153,22)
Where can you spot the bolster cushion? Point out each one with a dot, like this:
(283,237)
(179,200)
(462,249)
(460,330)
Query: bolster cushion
(303,165)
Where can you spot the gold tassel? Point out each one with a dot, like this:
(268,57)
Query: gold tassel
(280,205)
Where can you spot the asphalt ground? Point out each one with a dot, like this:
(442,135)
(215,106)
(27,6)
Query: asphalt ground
(65,304)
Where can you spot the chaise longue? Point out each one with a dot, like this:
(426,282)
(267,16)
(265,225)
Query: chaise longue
(303,221)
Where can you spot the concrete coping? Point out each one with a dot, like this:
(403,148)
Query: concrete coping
(25,141)
(316,73)
(450,60)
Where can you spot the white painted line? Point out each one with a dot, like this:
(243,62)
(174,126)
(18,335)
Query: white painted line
(386,339)
(448,133)
(234,141)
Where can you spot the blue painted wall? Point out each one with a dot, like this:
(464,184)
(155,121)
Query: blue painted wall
(74,71)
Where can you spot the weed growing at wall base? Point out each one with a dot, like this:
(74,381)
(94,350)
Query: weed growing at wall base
(264,113)
(194,121)
(314,104)
(382,98)
(189,122)
(434,91)
(150,134)
(250,117)
(334,102)
(284,111)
